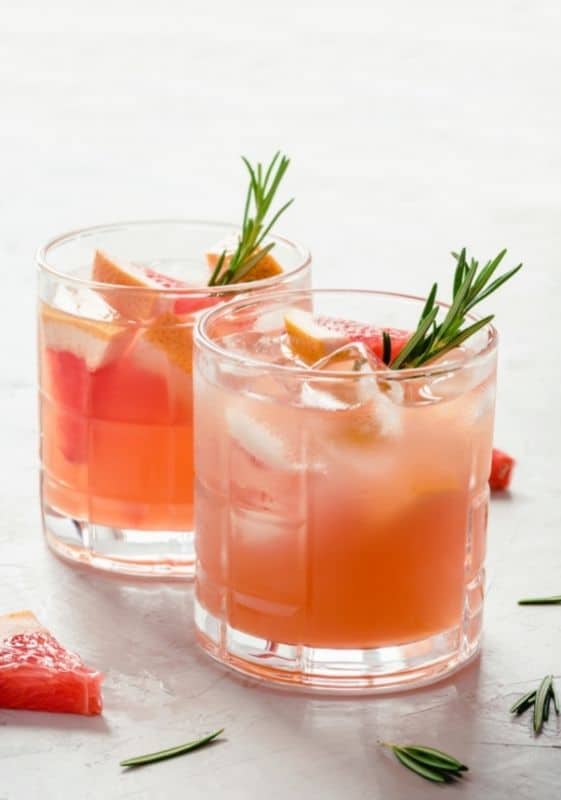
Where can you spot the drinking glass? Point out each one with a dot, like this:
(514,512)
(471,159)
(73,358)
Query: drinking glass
(116,390)
(341,512)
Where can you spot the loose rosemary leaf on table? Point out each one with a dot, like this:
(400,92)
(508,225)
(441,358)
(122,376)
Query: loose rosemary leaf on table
(263,186)
(554,600)
(540,699)
(171,752)
(427,762)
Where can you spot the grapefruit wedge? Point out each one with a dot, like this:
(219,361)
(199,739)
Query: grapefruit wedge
(145,304)
(310,340)
(369,335)
(39,674)
(168,336)
(314,338)
(266,267)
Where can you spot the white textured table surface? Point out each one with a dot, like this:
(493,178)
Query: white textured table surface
(414,128)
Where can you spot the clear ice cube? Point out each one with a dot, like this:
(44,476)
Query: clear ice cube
(378,397)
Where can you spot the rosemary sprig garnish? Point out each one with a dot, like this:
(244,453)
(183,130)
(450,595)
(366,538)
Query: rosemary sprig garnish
(161,755)
(541,699)
(471,285)
(263,185)
(429,763)
(554,600)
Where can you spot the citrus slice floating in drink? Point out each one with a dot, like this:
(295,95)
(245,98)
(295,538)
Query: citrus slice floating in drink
(370,335)
(310,340)
(145,304)
(39,674)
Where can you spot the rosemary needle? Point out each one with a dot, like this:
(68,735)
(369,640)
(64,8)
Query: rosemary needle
(523,703)
(554,600)
(161,755)
(541,704)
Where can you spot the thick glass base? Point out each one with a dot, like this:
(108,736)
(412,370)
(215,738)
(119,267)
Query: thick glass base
(376,670)
(139,553)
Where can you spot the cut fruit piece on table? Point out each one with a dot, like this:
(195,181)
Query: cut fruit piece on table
(310,340)
(370,335)
(502,466)
(38,674)
(266,267)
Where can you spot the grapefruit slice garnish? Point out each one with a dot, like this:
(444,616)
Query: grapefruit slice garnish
(266,267)
(143,305)
(39,674)
(310,340)
(314,338)
(131,305)
(370,335)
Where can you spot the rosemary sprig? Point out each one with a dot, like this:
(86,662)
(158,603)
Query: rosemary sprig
(471,285)
(161,755)
(541,699)
(429,763)
(554,600)
(263,185)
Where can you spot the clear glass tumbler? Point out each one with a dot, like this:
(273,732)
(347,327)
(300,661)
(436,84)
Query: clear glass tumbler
(115,357)
(341,513)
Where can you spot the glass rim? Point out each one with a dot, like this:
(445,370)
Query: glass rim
(202,339)
(42,253)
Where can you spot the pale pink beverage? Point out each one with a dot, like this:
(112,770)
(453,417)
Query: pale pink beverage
(341,513)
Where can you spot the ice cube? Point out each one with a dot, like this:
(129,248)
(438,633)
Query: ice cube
(83,302)
(261,441)
(462,377)
(378,397)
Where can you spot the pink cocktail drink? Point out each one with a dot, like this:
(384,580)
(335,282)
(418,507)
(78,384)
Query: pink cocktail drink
(115,354)
(341,509)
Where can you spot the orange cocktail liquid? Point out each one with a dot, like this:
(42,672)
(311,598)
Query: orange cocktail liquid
(117,440)
(328,527)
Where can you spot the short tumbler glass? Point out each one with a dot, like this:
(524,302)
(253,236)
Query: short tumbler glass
(340,515)
(116,390)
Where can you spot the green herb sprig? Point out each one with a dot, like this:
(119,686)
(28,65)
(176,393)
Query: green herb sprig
(263,185)
(540,699)
(172,752)
(554,600)
(431,764)
(471,285)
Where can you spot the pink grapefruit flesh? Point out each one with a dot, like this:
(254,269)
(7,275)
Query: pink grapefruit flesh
(369,335)
(39,674)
